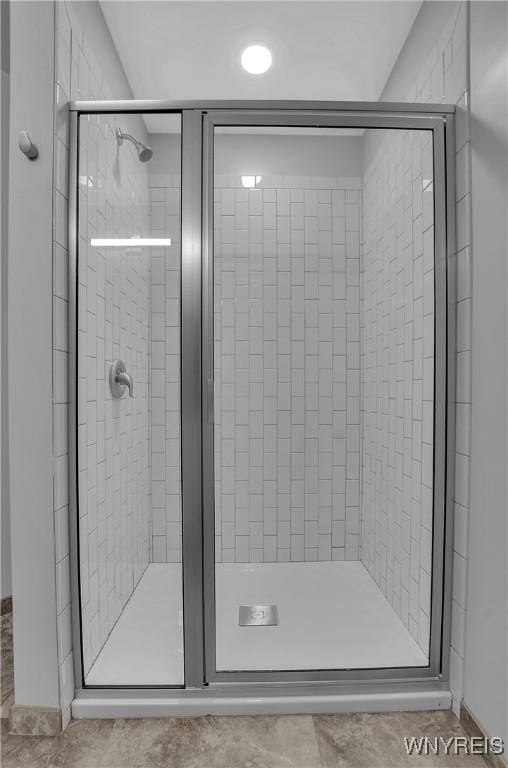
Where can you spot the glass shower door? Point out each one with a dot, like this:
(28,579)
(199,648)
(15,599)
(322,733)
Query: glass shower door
(260,368)
(323,406)
(128,405)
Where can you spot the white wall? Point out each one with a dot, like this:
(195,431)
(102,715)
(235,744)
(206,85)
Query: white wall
(419,47)
(5,557)
(485,671)
(30,357)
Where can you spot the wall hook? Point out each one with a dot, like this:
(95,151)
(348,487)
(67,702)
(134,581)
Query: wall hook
(27,147)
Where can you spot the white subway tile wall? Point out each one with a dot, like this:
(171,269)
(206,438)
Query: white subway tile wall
(164,380)
(450,57)
(444,77)
(287,378)
(113,303)
(397,353)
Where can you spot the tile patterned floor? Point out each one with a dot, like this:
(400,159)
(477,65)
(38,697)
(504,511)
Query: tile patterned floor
(7,668)
(303,741)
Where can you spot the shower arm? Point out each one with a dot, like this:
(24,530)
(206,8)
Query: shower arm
(120,136)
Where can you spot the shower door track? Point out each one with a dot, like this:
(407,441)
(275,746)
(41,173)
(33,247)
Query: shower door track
(202,681)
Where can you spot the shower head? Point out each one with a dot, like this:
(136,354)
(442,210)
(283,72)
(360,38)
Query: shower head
(144,153)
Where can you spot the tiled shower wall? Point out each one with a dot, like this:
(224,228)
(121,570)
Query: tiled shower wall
(287,378)
(451,85)
(444,78)
(164,383)
(113,294)
(114,501)
(397,371)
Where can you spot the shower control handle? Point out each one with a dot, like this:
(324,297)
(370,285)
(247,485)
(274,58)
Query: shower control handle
(119,379)
(126,380)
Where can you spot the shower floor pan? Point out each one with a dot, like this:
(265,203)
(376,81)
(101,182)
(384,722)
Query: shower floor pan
(330,616)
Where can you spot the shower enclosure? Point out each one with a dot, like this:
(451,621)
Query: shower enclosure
(261,367)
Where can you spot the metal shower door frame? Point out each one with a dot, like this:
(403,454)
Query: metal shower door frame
(440,122)
(198,122)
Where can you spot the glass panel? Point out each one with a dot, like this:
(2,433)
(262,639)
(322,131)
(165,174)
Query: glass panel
(129,446)
(324,390)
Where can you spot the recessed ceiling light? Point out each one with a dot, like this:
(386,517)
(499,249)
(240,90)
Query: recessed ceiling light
(256,59)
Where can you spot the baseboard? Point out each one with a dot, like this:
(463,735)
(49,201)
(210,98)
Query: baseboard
(6,606)
(35,721)
(473,728)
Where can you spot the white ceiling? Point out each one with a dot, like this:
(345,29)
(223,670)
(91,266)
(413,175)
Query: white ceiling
(335,50)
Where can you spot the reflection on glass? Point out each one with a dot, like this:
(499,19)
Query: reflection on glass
(129,447)
(324,348)
(128,242)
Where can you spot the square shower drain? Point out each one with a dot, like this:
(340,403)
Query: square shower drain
(258,616)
